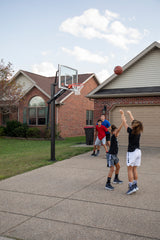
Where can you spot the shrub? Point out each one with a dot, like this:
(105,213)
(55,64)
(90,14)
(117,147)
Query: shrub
(21,131)
(2,131)
(11,126)
(47,133)
(33,133)
(58,132)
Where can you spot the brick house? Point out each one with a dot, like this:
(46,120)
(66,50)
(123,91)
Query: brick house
(136,89)
(72,112)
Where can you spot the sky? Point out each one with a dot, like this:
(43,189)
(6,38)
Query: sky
(92,36)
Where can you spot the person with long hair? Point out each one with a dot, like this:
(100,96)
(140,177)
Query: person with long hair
(133,158)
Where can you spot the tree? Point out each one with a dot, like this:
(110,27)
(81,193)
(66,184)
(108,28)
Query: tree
(10,91)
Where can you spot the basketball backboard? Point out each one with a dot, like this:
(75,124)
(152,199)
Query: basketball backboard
(68,79)
(67,76)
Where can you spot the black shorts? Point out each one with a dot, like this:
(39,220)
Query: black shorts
(108,138)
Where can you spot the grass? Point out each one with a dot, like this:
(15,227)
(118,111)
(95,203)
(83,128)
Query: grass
(19,156)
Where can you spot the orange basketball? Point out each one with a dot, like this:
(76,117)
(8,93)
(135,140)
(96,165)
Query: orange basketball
(118,70)
(69,86)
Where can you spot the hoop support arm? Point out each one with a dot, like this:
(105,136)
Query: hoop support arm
(57,95)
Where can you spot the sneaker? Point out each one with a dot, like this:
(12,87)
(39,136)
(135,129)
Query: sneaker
(97,153)
(117,181)
(135,186)
(131,190)
(93,154)
(109,186)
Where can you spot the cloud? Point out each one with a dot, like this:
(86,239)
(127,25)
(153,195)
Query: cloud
(84,55)
(91,19)
(111,15)
(45,69)
(91,24)
(103,75)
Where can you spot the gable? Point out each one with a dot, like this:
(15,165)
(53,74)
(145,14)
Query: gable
(140,77)
(24,82)
(144,73)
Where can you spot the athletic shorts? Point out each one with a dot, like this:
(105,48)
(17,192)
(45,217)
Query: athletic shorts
(99,142)
(112,160)
(108,138)
(134,158)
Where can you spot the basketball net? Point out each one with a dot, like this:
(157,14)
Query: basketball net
(76,87)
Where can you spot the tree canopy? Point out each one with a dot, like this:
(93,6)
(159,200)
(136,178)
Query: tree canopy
(10,91)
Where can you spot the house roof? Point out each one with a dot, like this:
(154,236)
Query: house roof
(44,83)
(102,91)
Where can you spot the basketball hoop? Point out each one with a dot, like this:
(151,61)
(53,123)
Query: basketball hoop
(76,87)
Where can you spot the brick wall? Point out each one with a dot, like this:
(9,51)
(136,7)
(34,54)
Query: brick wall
(111,102)
(12,116)
(72,115)
(24,103)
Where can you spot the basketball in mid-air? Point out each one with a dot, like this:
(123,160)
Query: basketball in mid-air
(118,70)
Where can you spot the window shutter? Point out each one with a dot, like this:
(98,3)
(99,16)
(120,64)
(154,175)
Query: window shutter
(25,115)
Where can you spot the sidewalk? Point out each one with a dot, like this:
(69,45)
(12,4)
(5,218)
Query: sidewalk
(68,201)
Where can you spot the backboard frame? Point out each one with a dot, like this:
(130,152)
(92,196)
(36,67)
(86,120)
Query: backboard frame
(67,76)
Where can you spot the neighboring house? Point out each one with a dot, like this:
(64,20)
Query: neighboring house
(137,89)
(73,112)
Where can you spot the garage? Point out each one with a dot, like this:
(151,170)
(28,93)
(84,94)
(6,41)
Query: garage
(148,114)
(137,89)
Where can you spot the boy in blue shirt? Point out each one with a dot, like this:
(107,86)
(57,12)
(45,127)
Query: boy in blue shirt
(107,124)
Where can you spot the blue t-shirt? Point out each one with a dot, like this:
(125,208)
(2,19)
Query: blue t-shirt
(107,124)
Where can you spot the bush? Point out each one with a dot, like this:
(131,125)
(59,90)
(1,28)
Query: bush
(33,133)
(47,132)
(2,131)
(58,132)
(11,126)
(21,131)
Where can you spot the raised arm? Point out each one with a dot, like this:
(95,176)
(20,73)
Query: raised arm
(130,115)
(119,129)
(123,119)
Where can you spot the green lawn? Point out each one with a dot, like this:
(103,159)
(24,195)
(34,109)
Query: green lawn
(18,156)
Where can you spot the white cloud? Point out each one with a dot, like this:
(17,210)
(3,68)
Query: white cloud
(103,75)
(118,28)
(45,69)
(111,15)
(84,55)
(91,19)
(91,24)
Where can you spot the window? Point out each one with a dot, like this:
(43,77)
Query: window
(5,118)
(89,117)
(37,111)
(32,116)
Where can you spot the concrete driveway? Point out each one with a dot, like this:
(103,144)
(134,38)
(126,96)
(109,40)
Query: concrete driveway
(68,201)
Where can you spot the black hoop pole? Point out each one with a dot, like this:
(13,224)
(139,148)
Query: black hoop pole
(53,158)
(53,124)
